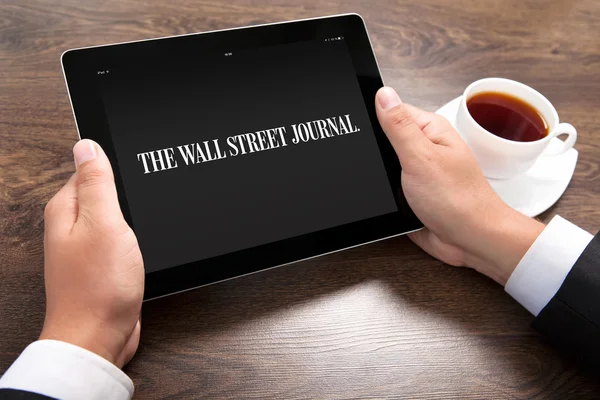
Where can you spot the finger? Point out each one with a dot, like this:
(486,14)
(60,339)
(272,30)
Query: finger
(432,245)
(408,139)
(421,117)
(96,190)
(61,210)
(421,239)
(437,128)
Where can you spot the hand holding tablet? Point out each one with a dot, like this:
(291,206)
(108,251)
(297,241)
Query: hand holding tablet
(467,224)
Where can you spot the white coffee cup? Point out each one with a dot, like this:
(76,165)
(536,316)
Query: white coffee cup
(501,158)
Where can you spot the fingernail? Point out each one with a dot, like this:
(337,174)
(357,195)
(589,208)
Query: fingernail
(83,151)
(388,98)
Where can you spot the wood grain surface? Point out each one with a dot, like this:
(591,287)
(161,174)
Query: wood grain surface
(379,321)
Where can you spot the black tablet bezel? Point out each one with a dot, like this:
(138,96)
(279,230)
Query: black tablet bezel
(91,123)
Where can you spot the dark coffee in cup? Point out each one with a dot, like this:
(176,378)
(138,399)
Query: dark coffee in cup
(507,116)
(512,105)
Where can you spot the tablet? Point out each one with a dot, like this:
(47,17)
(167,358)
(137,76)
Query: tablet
(244,149)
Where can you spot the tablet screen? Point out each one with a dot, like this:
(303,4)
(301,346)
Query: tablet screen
(226,151)
(244,149)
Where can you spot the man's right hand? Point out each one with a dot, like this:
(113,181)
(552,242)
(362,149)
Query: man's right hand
(466,223)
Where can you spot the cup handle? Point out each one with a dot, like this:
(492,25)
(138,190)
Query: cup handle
(561,129)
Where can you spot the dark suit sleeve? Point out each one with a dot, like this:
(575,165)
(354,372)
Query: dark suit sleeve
(11,394)
(572,318)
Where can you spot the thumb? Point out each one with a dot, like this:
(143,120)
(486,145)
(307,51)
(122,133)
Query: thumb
(399,125)
(96,191)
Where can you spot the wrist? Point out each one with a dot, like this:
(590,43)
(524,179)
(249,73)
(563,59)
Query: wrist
(501,240)
(84,336)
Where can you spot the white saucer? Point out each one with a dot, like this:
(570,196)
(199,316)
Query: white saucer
(536,190)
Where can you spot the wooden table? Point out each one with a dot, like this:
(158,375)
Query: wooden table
(380,321)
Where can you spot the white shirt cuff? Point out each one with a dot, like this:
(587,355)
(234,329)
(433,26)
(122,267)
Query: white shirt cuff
(65,371)
(543,269)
